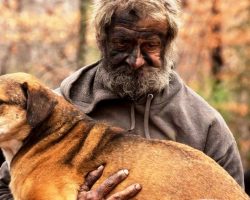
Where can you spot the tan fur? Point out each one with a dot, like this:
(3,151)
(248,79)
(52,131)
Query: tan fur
(65,145)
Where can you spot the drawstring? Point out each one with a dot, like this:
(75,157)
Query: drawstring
(146,115)
(132,117)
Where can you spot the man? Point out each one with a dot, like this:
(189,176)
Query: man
(134,86)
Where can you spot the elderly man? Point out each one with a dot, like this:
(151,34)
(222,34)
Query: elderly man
(134,86)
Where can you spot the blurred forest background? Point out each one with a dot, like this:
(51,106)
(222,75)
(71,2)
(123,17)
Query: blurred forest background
(51,39)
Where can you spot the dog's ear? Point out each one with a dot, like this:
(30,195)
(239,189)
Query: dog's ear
(40,104)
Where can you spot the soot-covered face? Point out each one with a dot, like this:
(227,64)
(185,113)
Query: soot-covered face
(134,63)
(136,46)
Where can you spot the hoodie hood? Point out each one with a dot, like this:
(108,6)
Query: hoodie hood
(84,90)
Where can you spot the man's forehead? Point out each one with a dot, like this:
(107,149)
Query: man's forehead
(131,20)
(120,31)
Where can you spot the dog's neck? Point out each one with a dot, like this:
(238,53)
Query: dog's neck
(10,148)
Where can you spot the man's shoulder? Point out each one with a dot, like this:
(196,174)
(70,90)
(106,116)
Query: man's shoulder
(187,101)
(82,75)
(80,72)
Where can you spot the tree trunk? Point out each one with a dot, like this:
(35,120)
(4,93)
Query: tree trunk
(82,33)
(216,51)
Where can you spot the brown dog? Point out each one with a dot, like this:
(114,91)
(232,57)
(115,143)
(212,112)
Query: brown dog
(50,146)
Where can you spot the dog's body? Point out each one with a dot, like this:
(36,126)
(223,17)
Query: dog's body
(51,146)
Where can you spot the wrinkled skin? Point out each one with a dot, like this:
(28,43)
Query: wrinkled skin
(136,42)
(135,47)
(134,57)
(102,192)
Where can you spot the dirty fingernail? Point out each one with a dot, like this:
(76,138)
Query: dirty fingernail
(100,167)
(125,171)
(138,186)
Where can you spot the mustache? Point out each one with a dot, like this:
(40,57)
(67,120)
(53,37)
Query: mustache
(126,69)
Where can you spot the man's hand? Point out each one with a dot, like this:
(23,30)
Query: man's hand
(106,187)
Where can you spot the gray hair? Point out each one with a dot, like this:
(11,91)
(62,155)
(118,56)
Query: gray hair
(156,9)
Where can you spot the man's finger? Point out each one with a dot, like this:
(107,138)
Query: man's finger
(128,193)
(91,178)
(109,184)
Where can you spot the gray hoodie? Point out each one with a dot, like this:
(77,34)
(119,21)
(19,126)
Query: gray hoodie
(177,113)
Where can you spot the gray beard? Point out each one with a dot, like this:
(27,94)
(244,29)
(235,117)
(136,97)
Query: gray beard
(134,84)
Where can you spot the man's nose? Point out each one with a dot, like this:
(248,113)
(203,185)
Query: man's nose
(136,59)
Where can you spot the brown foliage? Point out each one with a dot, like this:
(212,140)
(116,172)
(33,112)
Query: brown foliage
(41,38)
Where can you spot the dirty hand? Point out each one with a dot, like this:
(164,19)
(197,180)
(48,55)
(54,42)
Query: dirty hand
(101,192)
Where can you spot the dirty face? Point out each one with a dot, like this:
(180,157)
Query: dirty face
(134,63)
(137,45)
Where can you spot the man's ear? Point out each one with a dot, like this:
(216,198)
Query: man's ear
(40,104)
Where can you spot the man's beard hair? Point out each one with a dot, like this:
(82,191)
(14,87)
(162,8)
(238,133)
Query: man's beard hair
(132,83)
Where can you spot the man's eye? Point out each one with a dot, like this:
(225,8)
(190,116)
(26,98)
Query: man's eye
(152,46)
(121,45)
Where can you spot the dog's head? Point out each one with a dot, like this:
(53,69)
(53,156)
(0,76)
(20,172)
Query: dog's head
(24,103)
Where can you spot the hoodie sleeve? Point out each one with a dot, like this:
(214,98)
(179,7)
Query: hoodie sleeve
(222,147)
(5,193)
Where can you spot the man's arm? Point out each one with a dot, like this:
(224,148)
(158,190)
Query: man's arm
(222,147)
(231,162)
(5,193)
